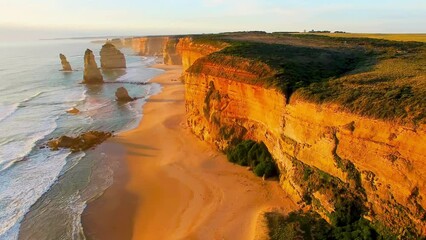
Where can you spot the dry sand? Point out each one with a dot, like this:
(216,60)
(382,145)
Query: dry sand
(171,185)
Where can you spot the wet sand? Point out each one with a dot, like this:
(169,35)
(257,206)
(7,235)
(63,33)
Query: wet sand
(171,185)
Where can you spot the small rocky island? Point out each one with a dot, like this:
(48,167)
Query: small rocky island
(122,95)
(66,66)
(92,74)
(80,143)
(111,57)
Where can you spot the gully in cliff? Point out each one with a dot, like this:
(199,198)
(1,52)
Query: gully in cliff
(111,57)
(92,74)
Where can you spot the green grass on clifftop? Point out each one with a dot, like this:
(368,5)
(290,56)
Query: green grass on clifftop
(372,77)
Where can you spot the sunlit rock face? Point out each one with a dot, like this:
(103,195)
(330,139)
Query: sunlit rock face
(191,51)
(165,47)
(65,64)
(111,57)
(149,46)
(171,55)
(380,162)
(92,74)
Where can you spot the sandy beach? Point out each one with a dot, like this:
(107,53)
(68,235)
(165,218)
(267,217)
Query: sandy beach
(171,185)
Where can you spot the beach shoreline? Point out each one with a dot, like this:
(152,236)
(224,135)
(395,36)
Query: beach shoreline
(171,185)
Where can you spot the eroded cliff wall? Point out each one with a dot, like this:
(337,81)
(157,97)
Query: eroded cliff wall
(321,150)
(191,51)
(165,47)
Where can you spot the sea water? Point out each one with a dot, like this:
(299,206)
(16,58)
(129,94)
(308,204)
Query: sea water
(43,192)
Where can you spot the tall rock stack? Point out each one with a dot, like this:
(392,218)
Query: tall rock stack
(111,57)
(65,64)
(92,74)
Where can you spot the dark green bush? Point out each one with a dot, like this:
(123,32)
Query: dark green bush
(255,155)
(310,225)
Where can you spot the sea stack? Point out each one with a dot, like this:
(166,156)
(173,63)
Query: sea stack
(122,95)
(65,64)
(92,74)
(111,57)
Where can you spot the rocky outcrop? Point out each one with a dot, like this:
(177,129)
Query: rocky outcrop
(83,142)
(122,95)
(65,64)
(111,57)
(73,111)
(92,74)
(320,150)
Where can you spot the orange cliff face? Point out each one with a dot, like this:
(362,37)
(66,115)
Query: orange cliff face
(174,50)
(165,47)
(379,163)
(191,51)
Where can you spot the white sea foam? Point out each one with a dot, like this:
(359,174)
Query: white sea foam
(15,150)
(32,97)
(23,184)
(27,172)
(7,110)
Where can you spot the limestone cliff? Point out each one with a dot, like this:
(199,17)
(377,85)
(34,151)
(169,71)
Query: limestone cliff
(111,57)
(65,64)
(379,163)
(191,51)
(149,46)
(92,74)
(165,47)
(171,56)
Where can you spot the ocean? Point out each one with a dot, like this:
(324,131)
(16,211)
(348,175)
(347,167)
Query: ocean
(42,192)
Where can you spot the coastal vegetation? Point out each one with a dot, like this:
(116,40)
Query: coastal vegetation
(371,77)
(409,37)
(254,155)
(310,225)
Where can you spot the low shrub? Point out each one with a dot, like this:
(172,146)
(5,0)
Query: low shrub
(310,225)
(254,155)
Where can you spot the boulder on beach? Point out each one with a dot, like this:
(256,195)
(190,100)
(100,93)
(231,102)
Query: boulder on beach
(111,57)
(122,95)
(73,110)
(65,64)
(92,74)
(80,143)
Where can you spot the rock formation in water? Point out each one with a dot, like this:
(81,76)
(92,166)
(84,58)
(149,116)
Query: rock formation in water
(92,74)
(80,143)
(122,95)
(65,64)
(111,57)
(73,111)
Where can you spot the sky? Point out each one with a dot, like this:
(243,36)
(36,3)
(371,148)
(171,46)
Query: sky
(36,19)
